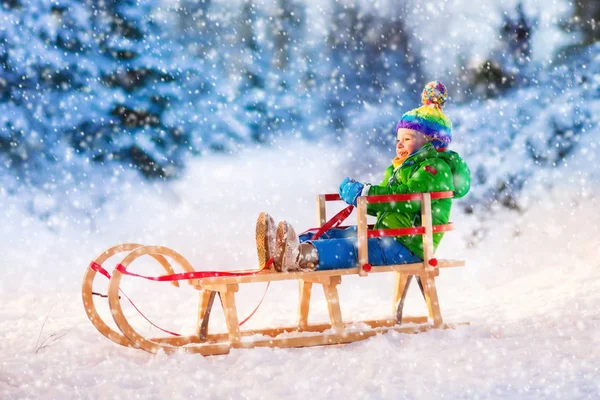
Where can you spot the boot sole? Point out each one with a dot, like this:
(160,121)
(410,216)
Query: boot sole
(286,258)
(281,243)
(262,239)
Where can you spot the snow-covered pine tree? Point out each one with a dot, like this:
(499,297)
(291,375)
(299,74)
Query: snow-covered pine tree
(44,85)
(194,26)
(270,97)
(249,72)
(507,65)
(586,20)
(372,60)
(140,80)
(290,101)
(202,34)
(91,81)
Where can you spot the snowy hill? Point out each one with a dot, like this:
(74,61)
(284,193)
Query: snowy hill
(530,291)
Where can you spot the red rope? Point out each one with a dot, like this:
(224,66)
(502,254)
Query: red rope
(334,222)
(177,277)
(189,275)
(146,318)
(259,303)
(98,268)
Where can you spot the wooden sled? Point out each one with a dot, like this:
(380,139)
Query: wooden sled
(303,334)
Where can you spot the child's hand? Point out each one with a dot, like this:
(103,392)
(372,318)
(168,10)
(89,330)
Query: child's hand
(343,185)
(352,190)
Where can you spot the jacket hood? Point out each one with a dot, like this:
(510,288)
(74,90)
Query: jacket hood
(461,175)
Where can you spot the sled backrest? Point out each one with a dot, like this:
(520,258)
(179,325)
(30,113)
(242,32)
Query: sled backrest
(364,232)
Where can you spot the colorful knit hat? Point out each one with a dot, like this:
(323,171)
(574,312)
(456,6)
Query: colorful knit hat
(429,118)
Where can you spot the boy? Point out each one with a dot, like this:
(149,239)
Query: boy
(422,164)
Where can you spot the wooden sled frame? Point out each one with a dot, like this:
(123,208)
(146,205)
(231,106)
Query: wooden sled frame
(302,334)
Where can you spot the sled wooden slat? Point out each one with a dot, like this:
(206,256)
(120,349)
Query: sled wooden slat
(329,338)
(333,303)
(323,340)
(303,334)
(269,276)
(191,344)
(362,233)
(273,332)
(202,308)
(383,323)
(231,318)
(321,210)
(305,288)
(400,280)
(205,349)
(215,344)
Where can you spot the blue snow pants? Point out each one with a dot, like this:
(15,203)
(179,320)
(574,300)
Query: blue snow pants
(338,249)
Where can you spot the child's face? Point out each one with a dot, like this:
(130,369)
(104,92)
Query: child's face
(409,141)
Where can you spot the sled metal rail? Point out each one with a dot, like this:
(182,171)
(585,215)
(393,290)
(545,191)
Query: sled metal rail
(302,334)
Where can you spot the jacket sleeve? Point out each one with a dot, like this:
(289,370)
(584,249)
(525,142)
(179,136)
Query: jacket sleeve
(433,175)
(386,177)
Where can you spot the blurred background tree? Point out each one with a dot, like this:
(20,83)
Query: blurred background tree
(507,66)
(89,80)
(371,58)
(586,20)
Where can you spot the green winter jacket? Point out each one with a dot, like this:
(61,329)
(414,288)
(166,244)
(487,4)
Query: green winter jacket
(427,170)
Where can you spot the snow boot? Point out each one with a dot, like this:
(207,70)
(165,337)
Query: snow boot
(290,254)
(265,239)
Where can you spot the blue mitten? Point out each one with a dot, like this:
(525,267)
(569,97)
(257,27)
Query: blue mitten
(352,192)
(343,186)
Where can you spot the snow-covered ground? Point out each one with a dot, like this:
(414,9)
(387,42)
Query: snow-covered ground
(531,292)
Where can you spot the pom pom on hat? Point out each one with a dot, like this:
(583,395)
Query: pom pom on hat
(435,92)
(429,119)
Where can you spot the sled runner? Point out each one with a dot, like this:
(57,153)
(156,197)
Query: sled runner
(225,285)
